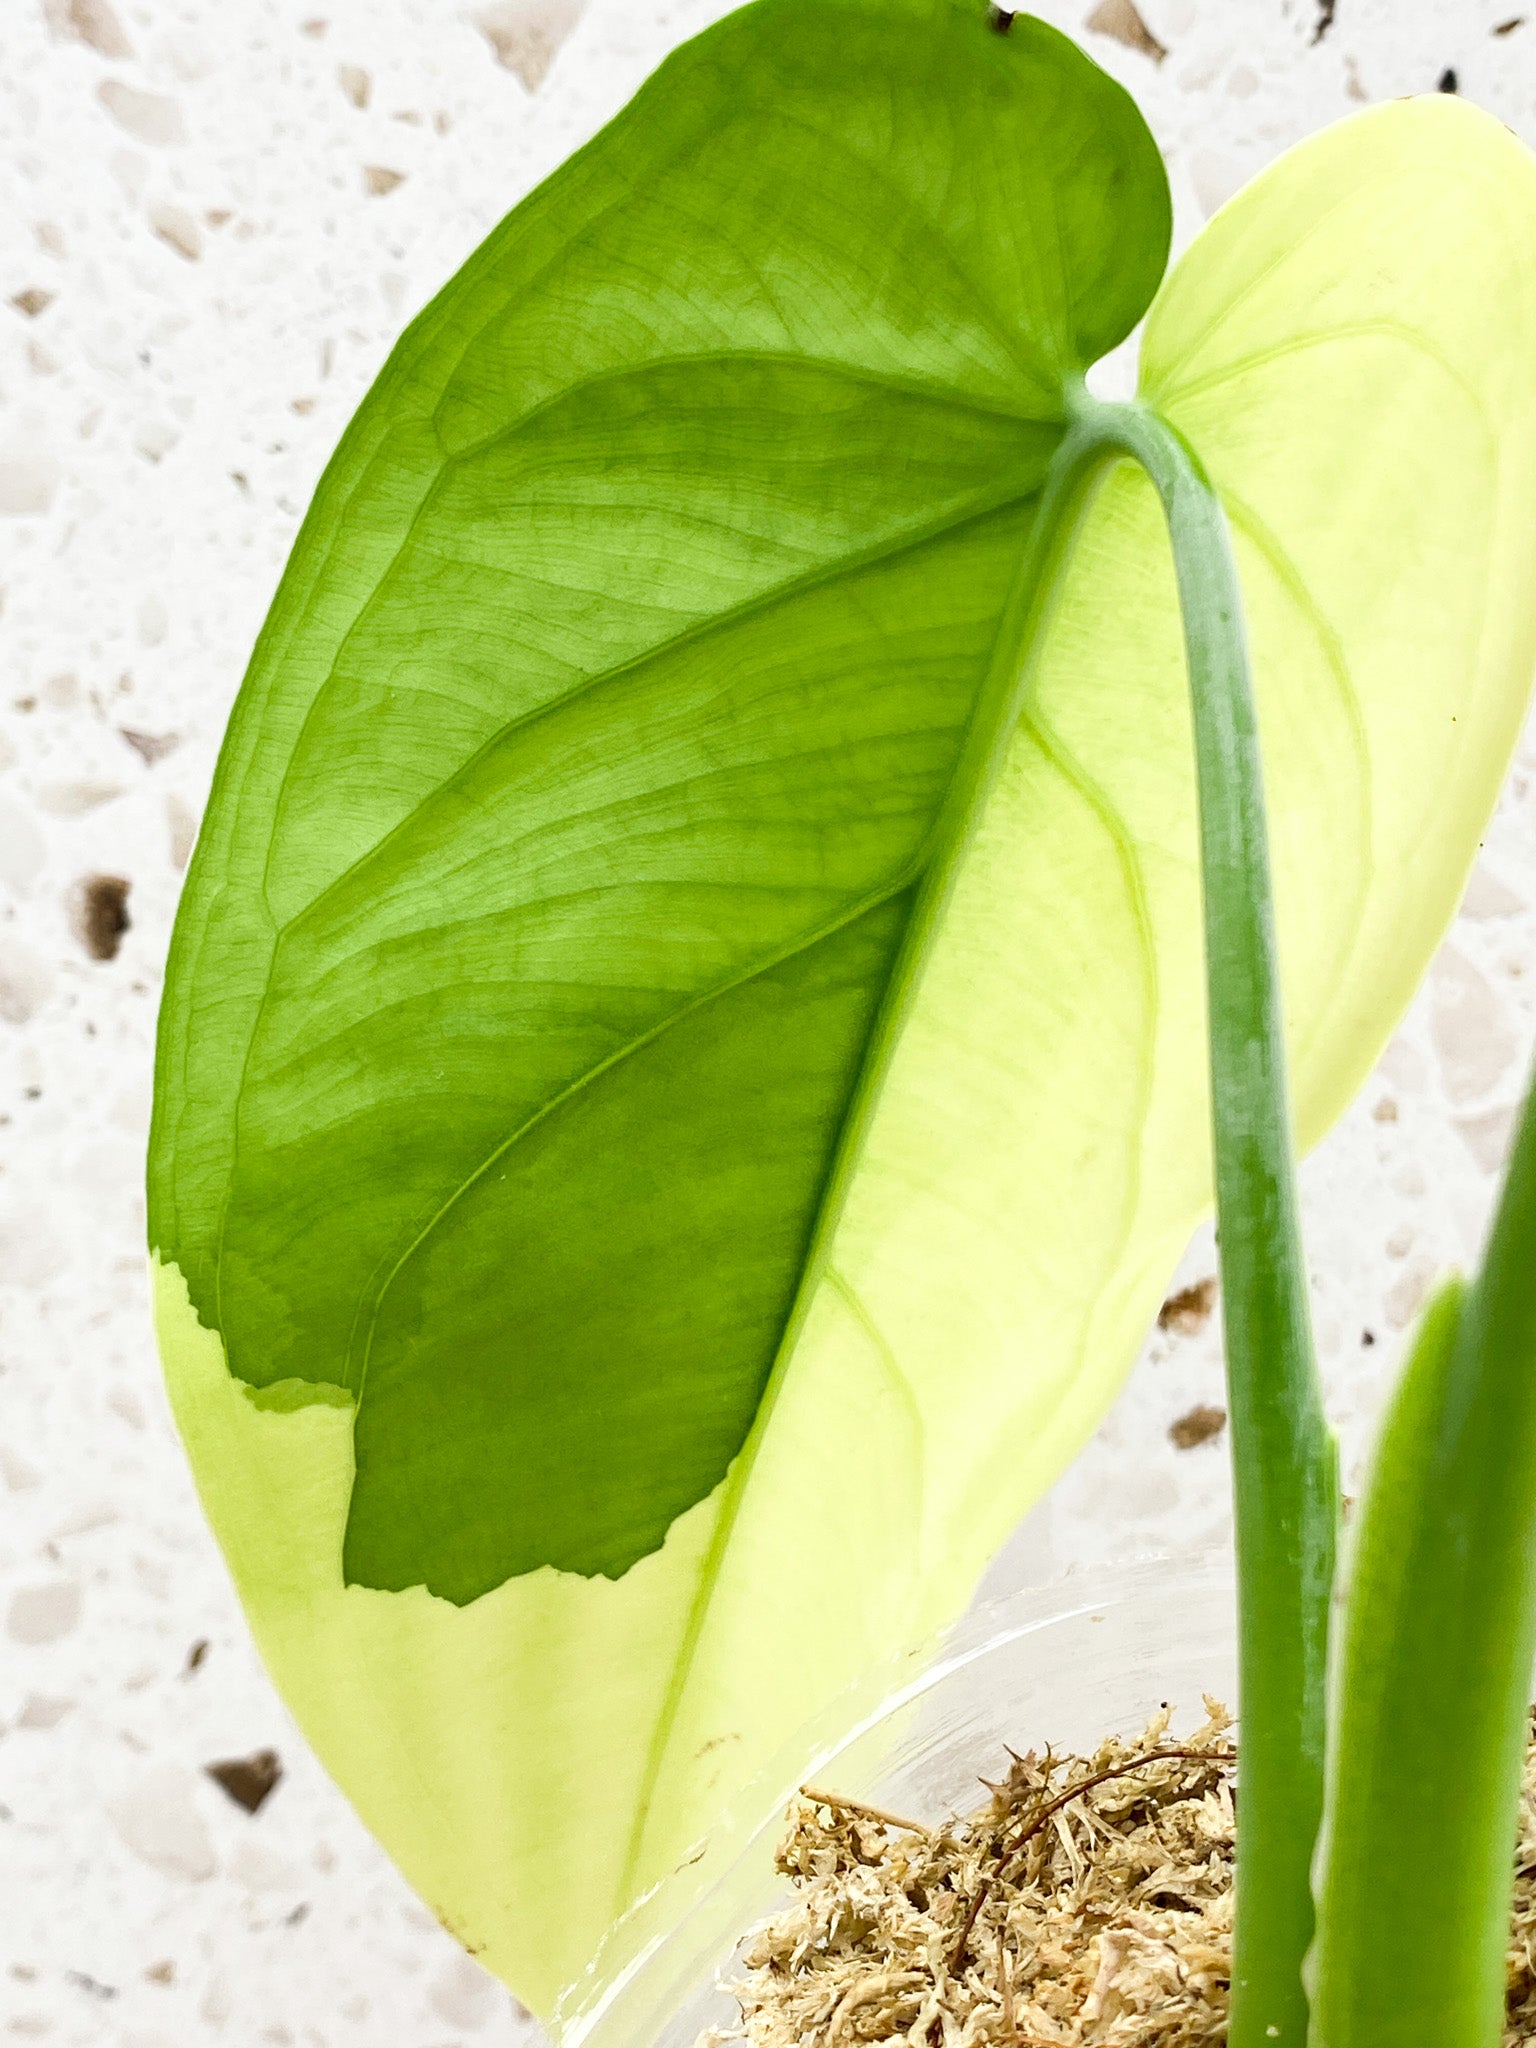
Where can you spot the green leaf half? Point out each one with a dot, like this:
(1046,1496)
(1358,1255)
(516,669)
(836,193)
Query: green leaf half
(572,818)
(565,841)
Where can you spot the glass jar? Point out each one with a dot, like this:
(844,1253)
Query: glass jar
(1092,1655)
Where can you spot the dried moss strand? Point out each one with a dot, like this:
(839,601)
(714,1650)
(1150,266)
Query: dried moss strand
(839,1803)
(1054,1806)
(1126,1942)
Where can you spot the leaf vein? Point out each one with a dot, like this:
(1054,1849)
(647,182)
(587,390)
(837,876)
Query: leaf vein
(802,943)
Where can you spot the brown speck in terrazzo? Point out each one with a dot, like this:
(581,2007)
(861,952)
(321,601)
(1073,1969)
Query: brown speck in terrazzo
(181,827)
(1189,1310)
(1202,1425)
(101,914)
(33,301)
(75,799)
(178,230)
(42,1712)
(150,746)
(355,83)
(43,1614)
(380,180)
(525,35)
(1119,18)
(146,116)
(91,22)
(249,1780)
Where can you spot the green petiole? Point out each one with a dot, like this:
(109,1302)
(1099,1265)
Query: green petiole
(1284,1462)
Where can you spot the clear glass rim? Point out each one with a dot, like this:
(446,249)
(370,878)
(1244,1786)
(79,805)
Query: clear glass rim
(687,1915)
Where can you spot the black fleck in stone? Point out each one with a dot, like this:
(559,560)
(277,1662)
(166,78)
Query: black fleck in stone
(249,1780)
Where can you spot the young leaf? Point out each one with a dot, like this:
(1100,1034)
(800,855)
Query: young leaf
(659,1156)
(1433,1681)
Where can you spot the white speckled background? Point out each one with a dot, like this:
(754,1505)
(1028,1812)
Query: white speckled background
(215,216)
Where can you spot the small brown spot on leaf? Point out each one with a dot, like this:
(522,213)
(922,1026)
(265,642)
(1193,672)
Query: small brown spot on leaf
(150,746)
(1001,20)
(1119,18)
(472,1948)
(1189,1310)
(249,1780)
(101,914)
(1200,1426)
(33,301)
(715,1742)
(380,180)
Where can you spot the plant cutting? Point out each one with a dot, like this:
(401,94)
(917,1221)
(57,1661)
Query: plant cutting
(683,1067)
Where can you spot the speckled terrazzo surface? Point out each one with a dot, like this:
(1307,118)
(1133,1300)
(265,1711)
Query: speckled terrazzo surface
(215,216)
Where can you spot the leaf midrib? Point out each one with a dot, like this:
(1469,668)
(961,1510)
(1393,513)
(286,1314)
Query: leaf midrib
(803,943)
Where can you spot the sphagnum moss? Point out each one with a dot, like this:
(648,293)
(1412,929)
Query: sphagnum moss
(1088,1902)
